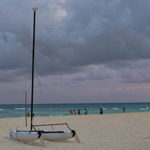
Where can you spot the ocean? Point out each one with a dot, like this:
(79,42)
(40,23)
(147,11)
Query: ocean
(18,110)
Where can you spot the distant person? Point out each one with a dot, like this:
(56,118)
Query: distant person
(71,112)
(28,114)
(74,112)
(85,111)
(101,111)
(123,109)
(78,111)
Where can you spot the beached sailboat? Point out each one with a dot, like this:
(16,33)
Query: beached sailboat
(33,134)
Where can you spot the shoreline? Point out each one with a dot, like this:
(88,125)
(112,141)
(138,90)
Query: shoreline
(108,131)
(77,115)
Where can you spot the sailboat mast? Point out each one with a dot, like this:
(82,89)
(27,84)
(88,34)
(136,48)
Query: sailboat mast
(32,83)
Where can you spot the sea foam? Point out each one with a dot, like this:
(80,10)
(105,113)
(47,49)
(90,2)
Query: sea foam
(143,108)
(19,108)
(115,108)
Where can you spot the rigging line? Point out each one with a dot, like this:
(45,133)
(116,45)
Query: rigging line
(26,84)
(36,124)
(23,94)
(43,99)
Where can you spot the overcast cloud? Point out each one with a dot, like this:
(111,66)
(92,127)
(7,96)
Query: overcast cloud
(86,51)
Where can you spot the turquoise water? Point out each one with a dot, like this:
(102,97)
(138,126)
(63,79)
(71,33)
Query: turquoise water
(18,110)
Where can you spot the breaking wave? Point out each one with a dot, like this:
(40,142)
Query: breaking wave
(115,108)
(143,108)
(19,108)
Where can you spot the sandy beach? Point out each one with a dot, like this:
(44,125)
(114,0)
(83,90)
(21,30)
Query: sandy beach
(126,131)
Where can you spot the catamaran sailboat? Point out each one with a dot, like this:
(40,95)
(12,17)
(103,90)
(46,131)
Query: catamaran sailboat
(33,134)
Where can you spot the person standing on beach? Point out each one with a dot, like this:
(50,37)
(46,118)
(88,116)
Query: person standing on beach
(85,111)
(78,111)
(123,109)
(28,114)
(101,111)
(74,112)
(70,112)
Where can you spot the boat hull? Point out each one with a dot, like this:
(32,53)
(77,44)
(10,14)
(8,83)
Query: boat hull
(24,136)
(58,136)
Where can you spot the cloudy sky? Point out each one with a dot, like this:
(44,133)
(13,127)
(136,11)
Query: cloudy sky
(86,51)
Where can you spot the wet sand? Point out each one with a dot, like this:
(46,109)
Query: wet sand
(126,131)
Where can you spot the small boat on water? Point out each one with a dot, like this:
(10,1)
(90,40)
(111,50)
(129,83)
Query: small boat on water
(33,134)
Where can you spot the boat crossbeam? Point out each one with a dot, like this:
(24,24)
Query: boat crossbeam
(54,125)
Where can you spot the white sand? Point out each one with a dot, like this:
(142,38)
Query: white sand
(128,131)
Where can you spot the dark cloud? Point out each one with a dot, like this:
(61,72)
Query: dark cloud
(91,34)
(100,40)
